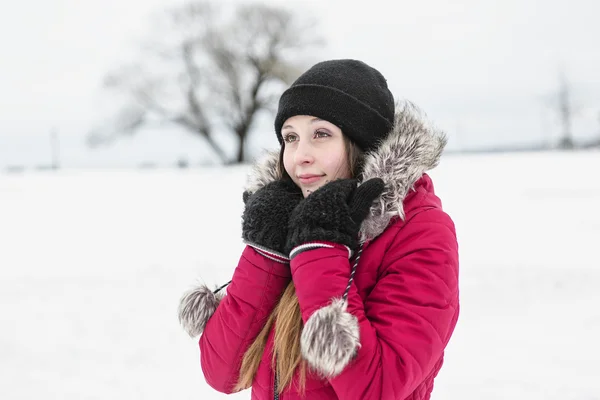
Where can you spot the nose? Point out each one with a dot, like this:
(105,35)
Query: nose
(304,153)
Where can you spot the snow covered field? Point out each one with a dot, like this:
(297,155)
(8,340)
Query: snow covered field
(92,264)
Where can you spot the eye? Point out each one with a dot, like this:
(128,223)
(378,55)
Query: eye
(290,137)
(321,134)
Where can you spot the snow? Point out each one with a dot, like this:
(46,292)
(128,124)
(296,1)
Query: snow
(92,265)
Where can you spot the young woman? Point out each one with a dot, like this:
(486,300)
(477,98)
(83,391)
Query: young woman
(348,286)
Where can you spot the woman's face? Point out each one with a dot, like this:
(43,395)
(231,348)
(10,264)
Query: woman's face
(314,152)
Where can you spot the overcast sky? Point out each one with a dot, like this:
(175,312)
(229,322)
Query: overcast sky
(484,71)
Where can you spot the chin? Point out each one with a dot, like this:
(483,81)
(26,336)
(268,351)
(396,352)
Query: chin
(308,190)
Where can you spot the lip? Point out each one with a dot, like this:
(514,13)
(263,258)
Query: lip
(307,179)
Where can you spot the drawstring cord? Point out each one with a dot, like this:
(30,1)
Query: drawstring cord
(354,267)
(275,388)
(221,288)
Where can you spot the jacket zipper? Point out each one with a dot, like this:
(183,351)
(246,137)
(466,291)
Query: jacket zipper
(275,394)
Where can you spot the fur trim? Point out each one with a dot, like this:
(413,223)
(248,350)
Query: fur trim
(196,306)
(263,171)
(330,339)
(413,147)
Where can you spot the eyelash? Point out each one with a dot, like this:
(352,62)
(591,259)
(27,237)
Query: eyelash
(316,135)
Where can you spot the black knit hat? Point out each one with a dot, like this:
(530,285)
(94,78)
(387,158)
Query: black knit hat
(349,94)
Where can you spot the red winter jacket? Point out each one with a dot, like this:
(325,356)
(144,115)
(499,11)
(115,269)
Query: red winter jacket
(404,295)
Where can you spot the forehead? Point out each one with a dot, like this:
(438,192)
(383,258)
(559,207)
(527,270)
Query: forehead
(302,120)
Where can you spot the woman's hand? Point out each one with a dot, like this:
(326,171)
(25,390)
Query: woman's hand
(333,213)
(265,217)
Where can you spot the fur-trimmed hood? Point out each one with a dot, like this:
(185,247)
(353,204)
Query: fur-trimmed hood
(413,147)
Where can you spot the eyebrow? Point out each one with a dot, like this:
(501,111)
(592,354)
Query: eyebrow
(311,121)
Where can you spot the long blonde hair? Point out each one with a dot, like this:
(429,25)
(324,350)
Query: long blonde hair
(286,357)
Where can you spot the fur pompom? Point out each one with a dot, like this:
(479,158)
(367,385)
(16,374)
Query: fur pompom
(330,339)
(196,306)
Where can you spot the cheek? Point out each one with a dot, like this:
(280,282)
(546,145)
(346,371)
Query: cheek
(288,162)
(337,167)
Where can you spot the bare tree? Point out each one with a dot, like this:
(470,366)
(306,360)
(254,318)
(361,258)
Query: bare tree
(211,69)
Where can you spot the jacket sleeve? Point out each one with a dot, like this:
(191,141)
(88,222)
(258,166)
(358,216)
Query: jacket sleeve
(255,289)
(407,319)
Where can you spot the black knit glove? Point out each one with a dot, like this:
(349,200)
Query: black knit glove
(264,221)
(333,213)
